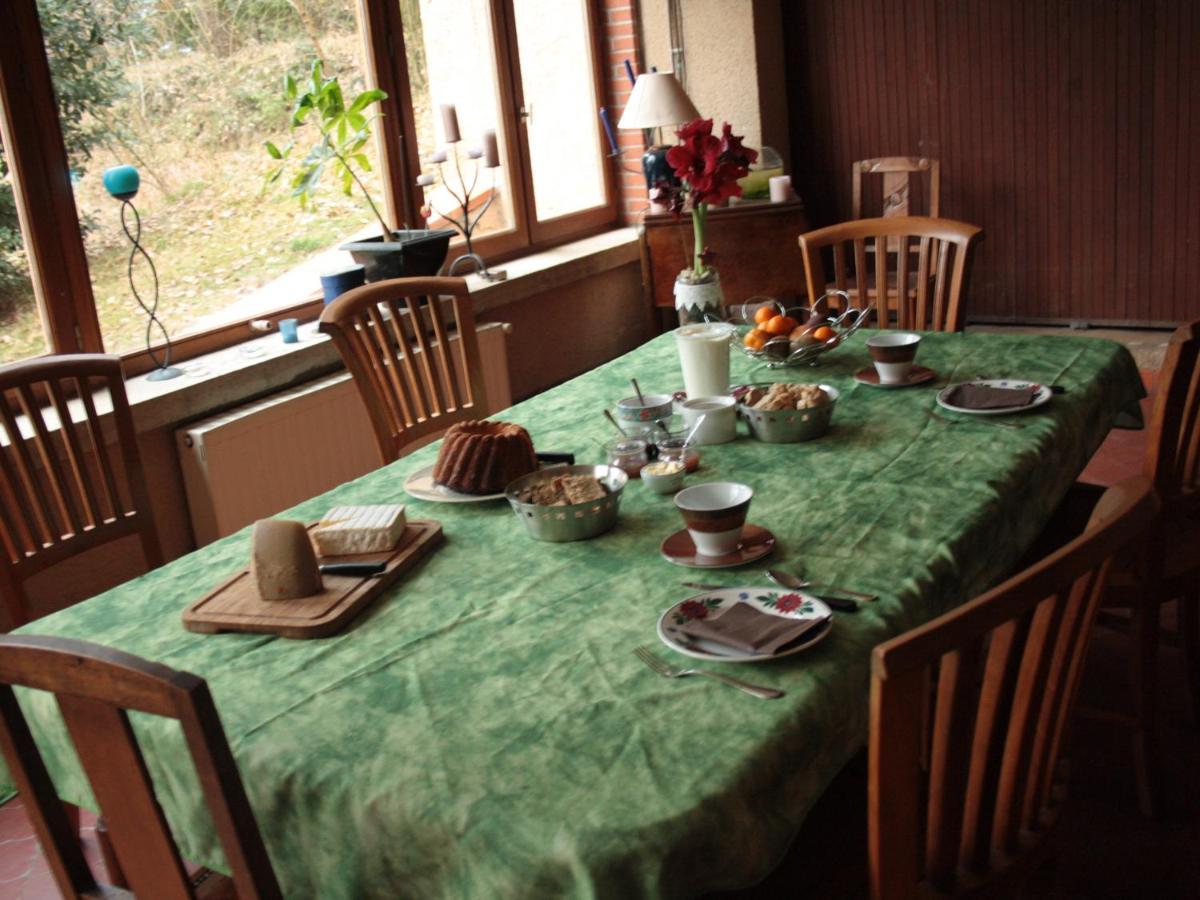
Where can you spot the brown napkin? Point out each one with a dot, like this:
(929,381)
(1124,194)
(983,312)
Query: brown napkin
(745,628)
(981,396)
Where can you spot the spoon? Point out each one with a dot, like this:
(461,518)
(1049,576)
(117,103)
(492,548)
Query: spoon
(842,604)
(608,415)
(796,582)
(637,390)
(687,441)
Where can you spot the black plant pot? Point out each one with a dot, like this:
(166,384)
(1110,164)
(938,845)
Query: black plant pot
(409,254)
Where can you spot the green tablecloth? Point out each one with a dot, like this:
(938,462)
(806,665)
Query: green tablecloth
(485,729)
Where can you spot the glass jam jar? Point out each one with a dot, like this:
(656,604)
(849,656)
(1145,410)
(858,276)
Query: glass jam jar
(671,448)
(629,456)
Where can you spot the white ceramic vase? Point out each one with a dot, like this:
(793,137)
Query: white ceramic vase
(700,302)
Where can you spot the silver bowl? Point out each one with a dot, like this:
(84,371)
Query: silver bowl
(576,522)
(789,426)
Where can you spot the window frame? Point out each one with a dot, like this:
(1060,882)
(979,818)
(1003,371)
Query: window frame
(53,240)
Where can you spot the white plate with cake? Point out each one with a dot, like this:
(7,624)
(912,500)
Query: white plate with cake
(476,462)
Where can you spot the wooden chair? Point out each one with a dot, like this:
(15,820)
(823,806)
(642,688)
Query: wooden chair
(1169,570)
(1004,669)
(95,687)
(61,491)
(897,172)
(394,341)
(933,255)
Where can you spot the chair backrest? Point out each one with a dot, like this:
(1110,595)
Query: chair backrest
(988,689)
(94,687)
(933,259)
(897,172)
(62,490)
(395,342)
(1173,449)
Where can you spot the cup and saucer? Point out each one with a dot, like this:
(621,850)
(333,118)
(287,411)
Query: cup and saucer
(717,535)
(894,366)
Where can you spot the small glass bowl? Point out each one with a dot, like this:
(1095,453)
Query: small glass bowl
(628,455)
(671,448)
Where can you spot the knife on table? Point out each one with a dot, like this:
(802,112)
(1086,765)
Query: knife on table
(353,569)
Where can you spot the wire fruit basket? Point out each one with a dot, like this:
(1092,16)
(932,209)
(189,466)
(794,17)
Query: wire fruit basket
(815,331)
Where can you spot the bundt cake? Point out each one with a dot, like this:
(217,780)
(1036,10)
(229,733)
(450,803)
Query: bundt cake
(483,457)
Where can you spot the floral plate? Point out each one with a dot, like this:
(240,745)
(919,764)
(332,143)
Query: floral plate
(788,604)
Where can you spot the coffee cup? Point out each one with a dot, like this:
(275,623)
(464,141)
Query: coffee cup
(720,419)
(893,355)
(714,514)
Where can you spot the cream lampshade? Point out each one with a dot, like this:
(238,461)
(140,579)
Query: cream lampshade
(657,100)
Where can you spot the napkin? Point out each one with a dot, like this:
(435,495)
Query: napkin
(745,628)
(981,396)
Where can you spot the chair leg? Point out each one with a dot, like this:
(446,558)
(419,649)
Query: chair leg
(116,875)
(1145,664)
(1189,641)
(72,816)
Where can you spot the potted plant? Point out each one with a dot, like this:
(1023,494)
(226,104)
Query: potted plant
(343,133)
(708,168)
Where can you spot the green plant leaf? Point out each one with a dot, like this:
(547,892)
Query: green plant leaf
(289,87)
(363,162)
(365,99)
(273,150)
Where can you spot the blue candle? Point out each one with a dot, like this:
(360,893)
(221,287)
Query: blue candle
(608,129)
(122,181)
(629,72)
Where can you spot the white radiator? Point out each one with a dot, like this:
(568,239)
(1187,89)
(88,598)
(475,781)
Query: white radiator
(256,460)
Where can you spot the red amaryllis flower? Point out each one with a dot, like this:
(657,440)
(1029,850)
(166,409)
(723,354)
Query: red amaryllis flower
(710,165)
(694,609)
(788,602)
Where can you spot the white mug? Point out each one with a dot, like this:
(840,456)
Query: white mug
(720,419)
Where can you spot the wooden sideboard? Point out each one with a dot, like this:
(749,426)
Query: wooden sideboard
(756,246)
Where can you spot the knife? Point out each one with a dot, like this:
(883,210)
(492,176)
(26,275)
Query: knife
(553,458)
(353,570)
(839,603)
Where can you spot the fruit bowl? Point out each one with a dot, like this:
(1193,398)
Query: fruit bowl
(780,337)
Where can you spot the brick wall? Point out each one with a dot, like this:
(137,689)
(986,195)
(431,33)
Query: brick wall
(621,43)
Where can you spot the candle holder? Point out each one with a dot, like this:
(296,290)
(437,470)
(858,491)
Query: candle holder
(122,182)
(466,221)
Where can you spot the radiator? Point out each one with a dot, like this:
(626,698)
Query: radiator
(252,462)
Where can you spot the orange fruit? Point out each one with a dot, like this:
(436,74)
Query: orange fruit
(763,314)
(824,333)
(755,339)
(778,325)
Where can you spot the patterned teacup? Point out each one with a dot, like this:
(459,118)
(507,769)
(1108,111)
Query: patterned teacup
(714,514)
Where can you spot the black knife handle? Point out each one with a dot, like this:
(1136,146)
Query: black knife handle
(568,458)
(841,604)
(353,570)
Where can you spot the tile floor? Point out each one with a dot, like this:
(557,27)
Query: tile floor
(1106,816)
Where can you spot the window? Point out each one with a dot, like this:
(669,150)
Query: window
(188,91)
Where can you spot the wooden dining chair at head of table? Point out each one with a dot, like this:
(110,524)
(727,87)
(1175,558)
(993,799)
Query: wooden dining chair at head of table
(95,688)
(933,255)
(1004,669)
(897,182)
(396,344)
(63,489)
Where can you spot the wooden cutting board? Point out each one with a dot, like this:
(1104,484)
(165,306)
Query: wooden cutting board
(236,605)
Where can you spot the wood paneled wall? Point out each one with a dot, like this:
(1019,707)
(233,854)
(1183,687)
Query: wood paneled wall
(1068,129)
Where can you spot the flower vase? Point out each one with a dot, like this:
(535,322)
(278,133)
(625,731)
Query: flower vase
(700,301)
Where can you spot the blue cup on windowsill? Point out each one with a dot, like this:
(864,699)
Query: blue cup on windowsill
(334,284)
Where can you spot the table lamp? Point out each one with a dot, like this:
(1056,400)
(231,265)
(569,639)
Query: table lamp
(123,183)
(657,100)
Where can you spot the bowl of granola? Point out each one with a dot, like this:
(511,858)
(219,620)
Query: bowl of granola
(786,413)
(568,503)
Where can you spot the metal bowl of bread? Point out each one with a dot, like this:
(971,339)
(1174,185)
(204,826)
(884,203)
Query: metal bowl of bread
(568,503)
(786,413)
(779,337)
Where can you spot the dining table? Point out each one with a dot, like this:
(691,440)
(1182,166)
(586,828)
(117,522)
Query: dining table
(485,728)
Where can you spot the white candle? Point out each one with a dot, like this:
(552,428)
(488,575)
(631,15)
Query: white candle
(439,156)
(450,124)
(474,153)
(491,149)
(424,180)
(781,188)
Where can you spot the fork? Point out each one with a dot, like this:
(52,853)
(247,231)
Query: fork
(668,671)
(976,421)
